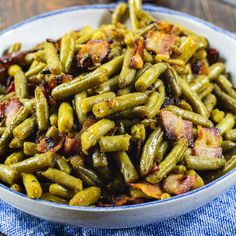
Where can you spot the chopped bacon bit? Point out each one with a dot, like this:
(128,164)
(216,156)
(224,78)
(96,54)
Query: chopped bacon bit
(179,184)
(11,87)
(126,200)
(160,43)
(175,127)
(12,58)
(200,67)
(47,93)
(150,190)
(59,79)
(49,144)
(93,54)
(88,122)
(167,28)
(213,55)
(72,146)
(208,143)
(137,60)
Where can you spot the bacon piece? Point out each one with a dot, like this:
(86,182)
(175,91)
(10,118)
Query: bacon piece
(12,58)
(137,60)
(72,146)
(167,28)
(200,67)
(59,79)
(49,144)
(213,55)
(127,200)
(178,184)
(175,127)
(208,143)
(150,190)
(93,54)
(160,43)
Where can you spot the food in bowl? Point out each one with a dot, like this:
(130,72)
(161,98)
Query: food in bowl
(116,116)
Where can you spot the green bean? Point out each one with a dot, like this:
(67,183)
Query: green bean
(40,56)
(37,79)
(32,186)
(52,59)
(16,143)
(114,143)
(137,193)
(30,148)
(187,48)
(184,105)
(217,115)
(228,101)
(88,182)
(228,145)
(118,13)
(146,29)
(20,81)
(25,129)
(193,99)
(126,166)
(226,85)
(77,103)
(203,163)
(52,132)
(90,80)
(85,37)
(132,14)
(161,151)
(165,196)
(16,187)
(35,163)
(147,57)
(60,191)
(150,76)
(53,119)
(209,88)
(111,85)
(226,124)
(199,83)
(63,165)
(230,135)
(35,70)
(67,51)
(145,16)
(99,159)
(76,161)
(65,117)
(88,103)
(189,76)
(8,175)
(127,73)
(138,132)
(90,137)
(195,118)
(86,197)
(2,130)
(63,178)
(124,91)
(14,158)
(150,150)
(169,163)
(173,79)
(42,109)
(14,48)
(119,104)
(210,102)
(7,96)
(52,198)
(215,70)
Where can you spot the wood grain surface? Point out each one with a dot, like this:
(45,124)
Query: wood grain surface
(224,15)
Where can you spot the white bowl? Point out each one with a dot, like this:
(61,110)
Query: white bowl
(53,25)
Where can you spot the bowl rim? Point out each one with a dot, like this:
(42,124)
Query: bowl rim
(151,8)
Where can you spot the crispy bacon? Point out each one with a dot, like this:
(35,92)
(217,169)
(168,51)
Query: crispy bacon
(137,60)
(167,28)
(49,144)
(175,127)
(127,200)
(72,146)
(151,190)
(213,55)
(200,67)
(93,54)
(59,79)
(208,143)
(178,184)
(160,43)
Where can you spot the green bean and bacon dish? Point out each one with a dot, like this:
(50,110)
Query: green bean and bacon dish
(116,115)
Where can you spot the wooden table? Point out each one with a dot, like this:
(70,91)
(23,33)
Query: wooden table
(224,15)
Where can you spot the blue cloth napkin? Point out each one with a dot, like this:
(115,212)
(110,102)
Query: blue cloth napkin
(216,218)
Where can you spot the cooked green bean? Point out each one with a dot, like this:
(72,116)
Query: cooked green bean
(53,119)
(209,88)
(16,187)
(217,116)
(42,109)
(210,102)
(150,150)
(14,48)
(230,135)
(133,14)
(8,175)
(99,159)
(52,59)
(161,151)
(138,132)
(117,104)
(114,143)
(35,163)
(86,197)
(32,185)
(215,70)
(199,83)
(30,148)
(65,117)
(35,70)
(52,198)
(16,143)
(169,163)
(111,85)
(60,191)
(228,145)
(126,167)
(226,85)
(119,13)
(63,178)
(150,76)
(63,165)
(14,158)
(226,124)
(77,103)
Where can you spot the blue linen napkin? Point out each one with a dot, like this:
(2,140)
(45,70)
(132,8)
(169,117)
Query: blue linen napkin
(217,218)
